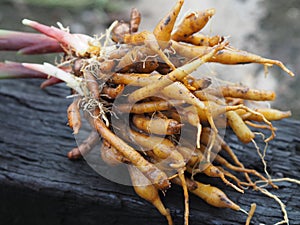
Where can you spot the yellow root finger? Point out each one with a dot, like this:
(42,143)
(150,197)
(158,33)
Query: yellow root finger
(147,191)
(164,28)
(192,23)
(250,214)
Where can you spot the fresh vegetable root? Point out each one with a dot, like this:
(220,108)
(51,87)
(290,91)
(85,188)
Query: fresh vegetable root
(239,127)
(210,194)
(146,190)
(149,107)
(235,56)
(192,23)
(228,56)
(111,92)
(148,79)
(74,116)
(135,20)
(156,125)
(111,156)
(164,28)
(202,40)
(238,91)
(85,147)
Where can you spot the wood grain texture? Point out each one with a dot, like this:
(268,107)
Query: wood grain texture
(39,185)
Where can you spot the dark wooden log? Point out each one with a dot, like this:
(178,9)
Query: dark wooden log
(39,185)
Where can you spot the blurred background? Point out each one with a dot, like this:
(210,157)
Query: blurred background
(265,27)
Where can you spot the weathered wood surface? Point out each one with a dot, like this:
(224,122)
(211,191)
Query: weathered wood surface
(39,185)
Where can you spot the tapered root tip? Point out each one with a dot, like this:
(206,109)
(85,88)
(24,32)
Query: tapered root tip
(233,206)
(284,68)
(244,211)
(287,114)
(74,154)
(211,12)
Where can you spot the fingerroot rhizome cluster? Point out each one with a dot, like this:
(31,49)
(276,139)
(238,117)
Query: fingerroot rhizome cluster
(142,95)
